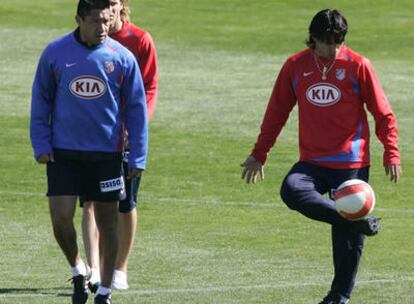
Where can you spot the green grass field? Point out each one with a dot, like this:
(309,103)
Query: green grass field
(205,236)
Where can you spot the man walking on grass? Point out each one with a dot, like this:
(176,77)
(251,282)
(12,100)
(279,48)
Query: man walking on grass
(87,90)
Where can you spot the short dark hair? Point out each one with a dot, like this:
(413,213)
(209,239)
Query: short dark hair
(328,26)
(86,6)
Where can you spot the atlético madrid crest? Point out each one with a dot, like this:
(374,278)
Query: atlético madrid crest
(340,74)
(109,67)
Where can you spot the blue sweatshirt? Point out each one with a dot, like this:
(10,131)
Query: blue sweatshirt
(83,98)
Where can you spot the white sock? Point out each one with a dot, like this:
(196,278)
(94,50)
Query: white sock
(95,276)
(79,269)
(120,274)
(103,291)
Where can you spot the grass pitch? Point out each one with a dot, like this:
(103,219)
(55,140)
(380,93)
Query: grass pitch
(204,236)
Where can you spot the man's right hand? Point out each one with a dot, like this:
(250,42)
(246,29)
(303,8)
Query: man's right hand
(252,167)
(45,158)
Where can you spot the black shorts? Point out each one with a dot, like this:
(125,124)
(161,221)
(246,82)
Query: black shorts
(128,197)
(93,175)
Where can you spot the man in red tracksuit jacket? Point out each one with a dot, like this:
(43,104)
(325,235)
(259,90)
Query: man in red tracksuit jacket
(332,85)
(140,43)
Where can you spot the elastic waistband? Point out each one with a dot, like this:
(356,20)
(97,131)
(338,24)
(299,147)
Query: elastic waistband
(86,156)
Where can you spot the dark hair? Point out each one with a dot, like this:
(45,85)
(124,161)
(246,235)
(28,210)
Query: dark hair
(86,6)
(328,26)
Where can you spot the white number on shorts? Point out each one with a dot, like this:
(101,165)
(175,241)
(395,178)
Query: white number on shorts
(112,184)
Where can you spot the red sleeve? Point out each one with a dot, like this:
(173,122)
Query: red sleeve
(377,103)
(149,71)
(280,105)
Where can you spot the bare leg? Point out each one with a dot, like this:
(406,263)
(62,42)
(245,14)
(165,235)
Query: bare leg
(90,235)
(127,224)
(106,214)
(62,212)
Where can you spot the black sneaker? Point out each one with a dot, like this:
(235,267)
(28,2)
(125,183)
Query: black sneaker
(103,299)
(93,287)
(80,291)
(368,226)
(334,299)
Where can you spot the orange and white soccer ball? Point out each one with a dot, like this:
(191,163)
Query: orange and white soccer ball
(354,199)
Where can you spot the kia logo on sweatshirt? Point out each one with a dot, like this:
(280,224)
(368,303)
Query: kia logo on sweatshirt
(87,87)
(323,94)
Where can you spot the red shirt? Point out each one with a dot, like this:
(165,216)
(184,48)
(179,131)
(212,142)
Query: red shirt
(333,126)
(142,46)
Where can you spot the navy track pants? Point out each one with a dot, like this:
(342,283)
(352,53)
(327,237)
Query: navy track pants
(303,190)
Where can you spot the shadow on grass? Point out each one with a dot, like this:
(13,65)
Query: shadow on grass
(35,291)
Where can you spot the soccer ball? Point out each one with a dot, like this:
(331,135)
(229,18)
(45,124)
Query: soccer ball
(354,199)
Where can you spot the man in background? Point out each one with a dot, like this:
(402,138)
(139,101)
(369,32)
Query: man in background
(140,43)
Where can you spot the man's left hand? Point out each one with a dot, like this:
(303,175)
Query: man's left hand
(394,171)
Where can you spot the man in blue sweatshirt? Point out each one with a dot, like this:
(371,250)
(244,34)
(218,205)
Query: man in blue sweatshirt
(86,91)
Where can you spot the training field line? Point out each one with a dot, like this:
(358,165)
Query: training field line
(197,201)
(214,289)
(250,287)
